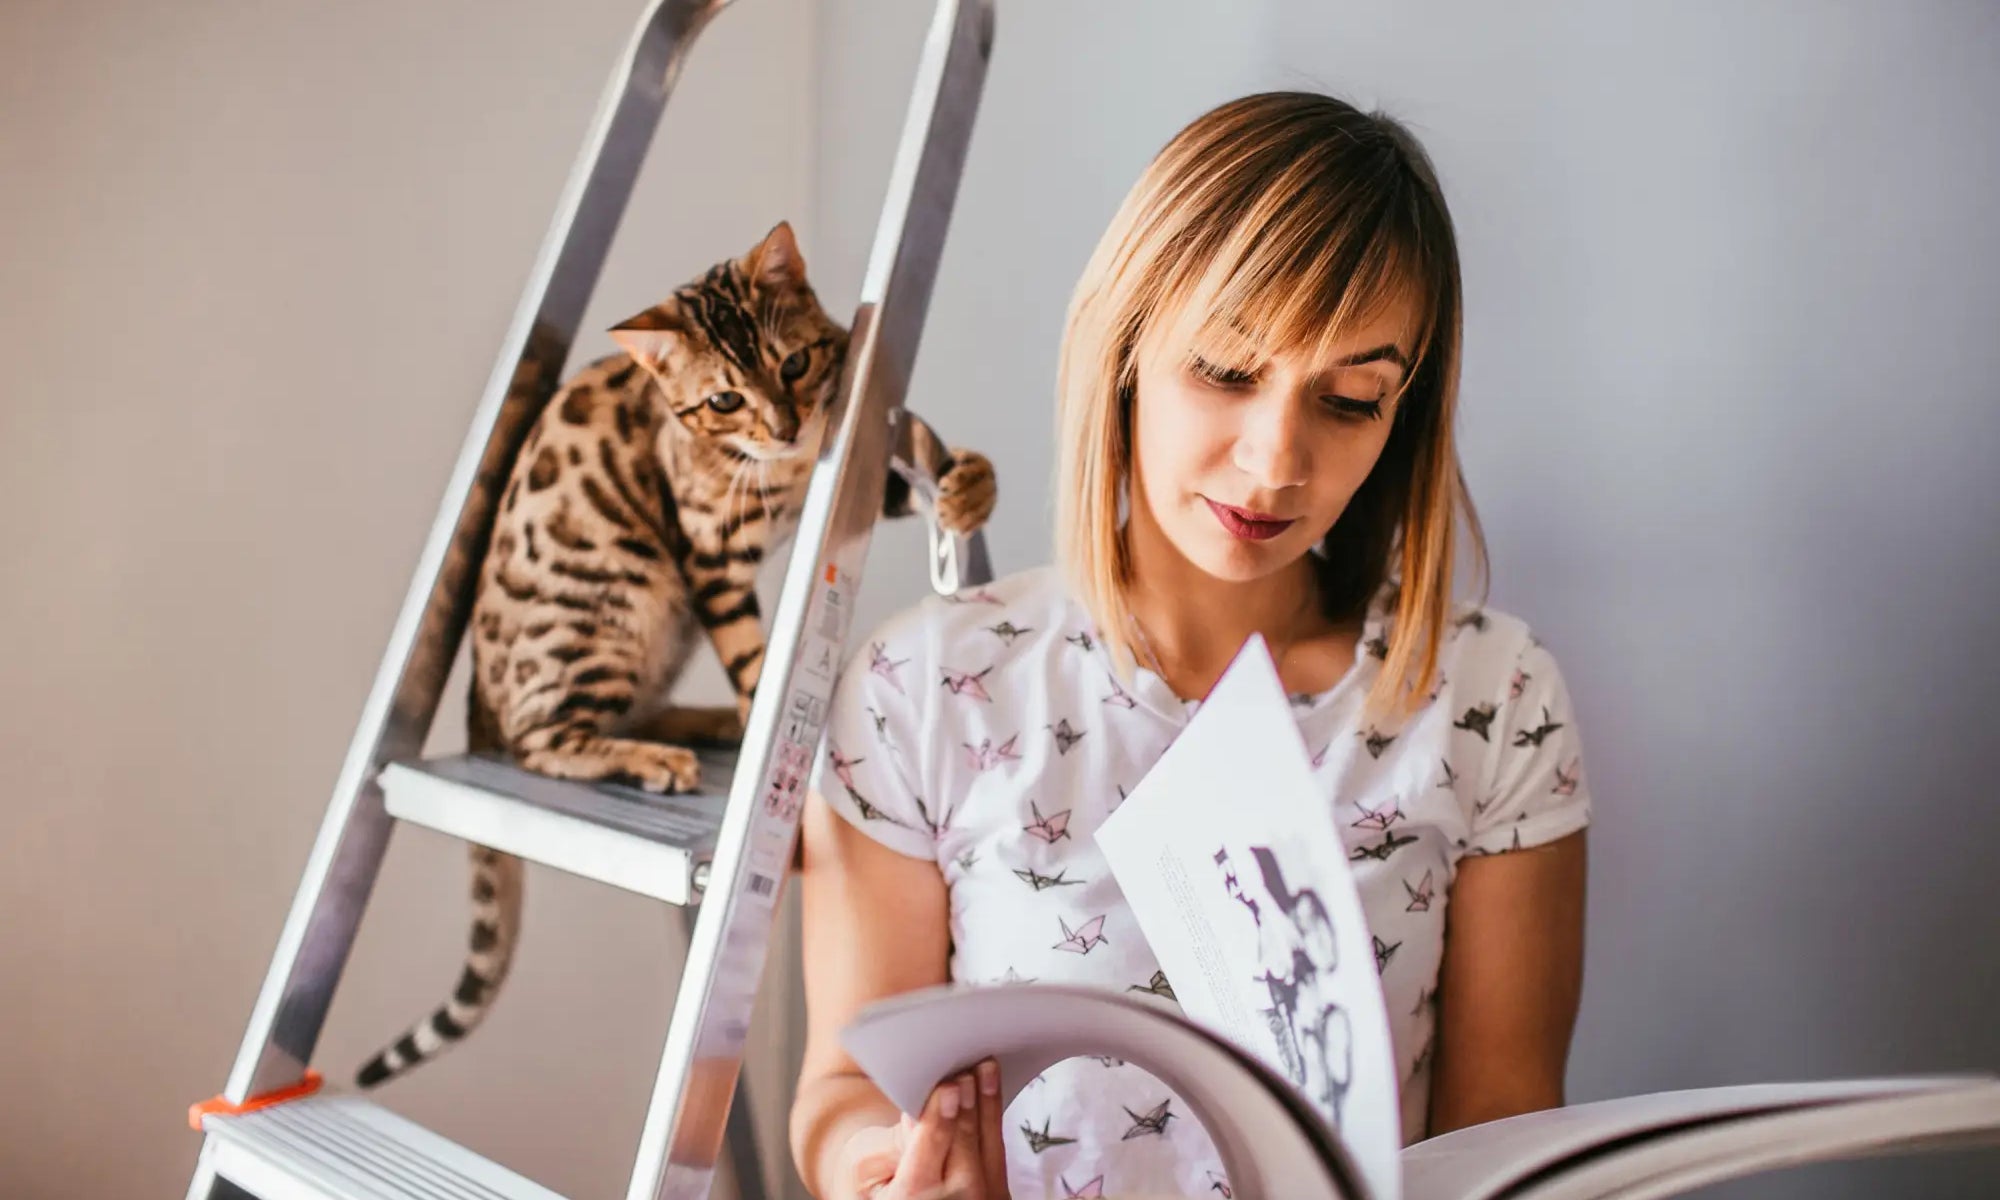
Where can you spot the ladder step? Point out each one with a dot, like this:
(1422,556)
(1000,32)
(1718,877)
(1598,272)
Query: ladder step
(345,1148)
(657,846)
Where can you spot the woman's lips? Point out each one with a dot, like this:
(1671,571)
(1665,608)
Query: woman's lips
(1246,524)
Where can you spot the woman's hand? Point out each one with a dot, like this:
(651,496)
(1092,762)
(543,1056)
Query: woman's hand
(952,1151)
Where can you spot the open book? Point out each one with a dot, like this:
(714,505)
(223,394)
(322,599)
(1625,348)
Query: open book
(1280,1043)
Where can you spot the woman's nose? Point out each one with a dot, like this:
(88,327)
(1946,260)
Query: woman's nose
(1270,443)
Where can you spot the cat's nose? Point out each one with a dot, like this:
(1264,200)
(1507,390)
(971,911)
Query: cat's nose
(784,423)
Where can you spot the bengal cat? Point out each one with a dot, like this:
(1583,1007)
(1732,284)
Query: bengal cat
(641,503)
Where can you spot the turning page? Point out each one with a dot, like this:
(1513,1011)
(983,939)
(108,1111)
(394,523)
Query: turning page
(1271,1147)
(1228,854)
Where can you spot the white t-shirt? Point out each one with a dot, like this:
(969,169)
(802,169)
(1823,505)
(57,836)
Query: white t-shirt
(986,732)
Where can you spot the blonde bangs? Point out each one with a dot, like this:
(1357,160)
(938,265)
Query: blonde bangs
(1287,287)
(1277,224)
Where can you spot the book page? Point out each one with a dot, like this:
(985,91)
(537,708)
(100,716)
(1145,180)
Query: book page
(1270,1148)
(1496,1158)
(1949,1117)
(1228,854)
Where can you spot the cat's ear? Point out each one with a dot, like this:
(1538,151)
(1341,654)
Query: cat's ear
(650,336)
(776,261)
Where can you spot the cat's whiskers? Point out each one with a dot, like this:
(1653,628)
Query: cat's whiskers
(729,494)
(732,501)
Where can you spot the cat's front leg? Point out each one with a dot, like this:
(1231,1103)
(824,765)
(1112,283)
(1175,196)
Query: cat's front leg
(966,488)
(722,582)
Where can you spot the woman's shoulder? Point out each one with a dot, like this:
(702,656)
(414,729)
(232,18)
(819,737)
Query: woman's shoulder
(1504,689)
(943,670)
(1030,603)
(1482,641)
(1475,628)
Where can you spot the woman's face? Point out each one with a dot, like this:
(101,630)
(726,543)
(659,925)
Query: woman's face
(1243,461)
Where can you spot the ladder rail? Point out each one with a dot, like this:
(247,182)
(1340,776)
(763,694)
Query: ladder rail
(746,1155)
(346,856)
(700,1063)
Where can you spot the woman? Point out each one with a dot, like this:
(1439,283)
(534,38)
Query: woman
(1255,413)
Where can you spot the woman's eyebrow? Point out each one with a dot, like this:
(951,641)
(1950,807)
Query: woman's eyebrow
(1388,353)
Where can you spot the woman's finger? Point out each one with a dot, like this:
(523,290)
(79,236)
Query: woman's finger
(965,1167)
(930,1142)
(992,1138)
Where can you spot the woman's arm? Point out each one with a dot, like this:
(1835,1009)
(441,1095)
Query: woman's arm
(874,923)
(1509,985)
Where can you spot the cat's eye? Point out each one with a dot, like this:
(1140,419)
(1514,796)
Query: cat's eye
(794,365)
(726,402)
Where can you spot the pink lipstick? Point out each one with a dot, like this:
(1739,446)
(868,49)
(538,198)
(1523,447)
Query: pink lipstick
(1244,523)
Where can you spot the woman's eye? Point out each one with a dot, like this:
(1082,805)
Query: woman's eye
(726,402)
(794,365)
(1220,376)
(1351,409)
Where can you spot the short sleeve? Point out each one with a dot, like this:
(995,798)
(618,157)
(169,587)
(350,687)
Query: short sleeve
(870,768)
(1536,792)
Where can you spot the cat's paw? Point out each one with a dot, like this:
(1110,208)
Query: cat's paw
(966,492)
(659,768)
(654,766)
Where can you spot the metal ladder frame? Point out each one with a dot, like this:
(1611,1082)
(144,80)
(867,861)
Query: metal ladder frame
(729,939)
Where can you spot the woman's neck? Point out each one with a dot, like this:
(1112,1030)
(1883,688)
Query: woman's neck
(1192,624)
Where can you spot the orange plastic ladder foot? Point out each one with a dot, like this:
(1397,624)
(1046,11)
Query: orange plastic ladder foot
(216,1104)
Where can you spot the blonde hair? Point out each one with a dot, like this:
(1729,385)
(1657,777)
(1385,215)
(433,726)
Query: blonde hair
(1290,216)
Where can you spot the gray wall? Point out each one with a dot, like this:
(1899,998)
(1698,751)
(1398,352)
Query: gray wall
(1731,412)
(258,258)
(1729,409)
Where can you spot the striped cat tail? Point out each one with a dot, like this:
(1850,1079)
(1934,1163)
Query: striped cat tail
(496,927)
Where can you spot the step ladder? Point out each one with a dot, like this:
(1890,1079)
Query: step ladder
(721,855)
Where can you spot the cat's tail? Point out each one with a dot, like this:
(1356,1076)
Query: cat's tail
(496,927)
